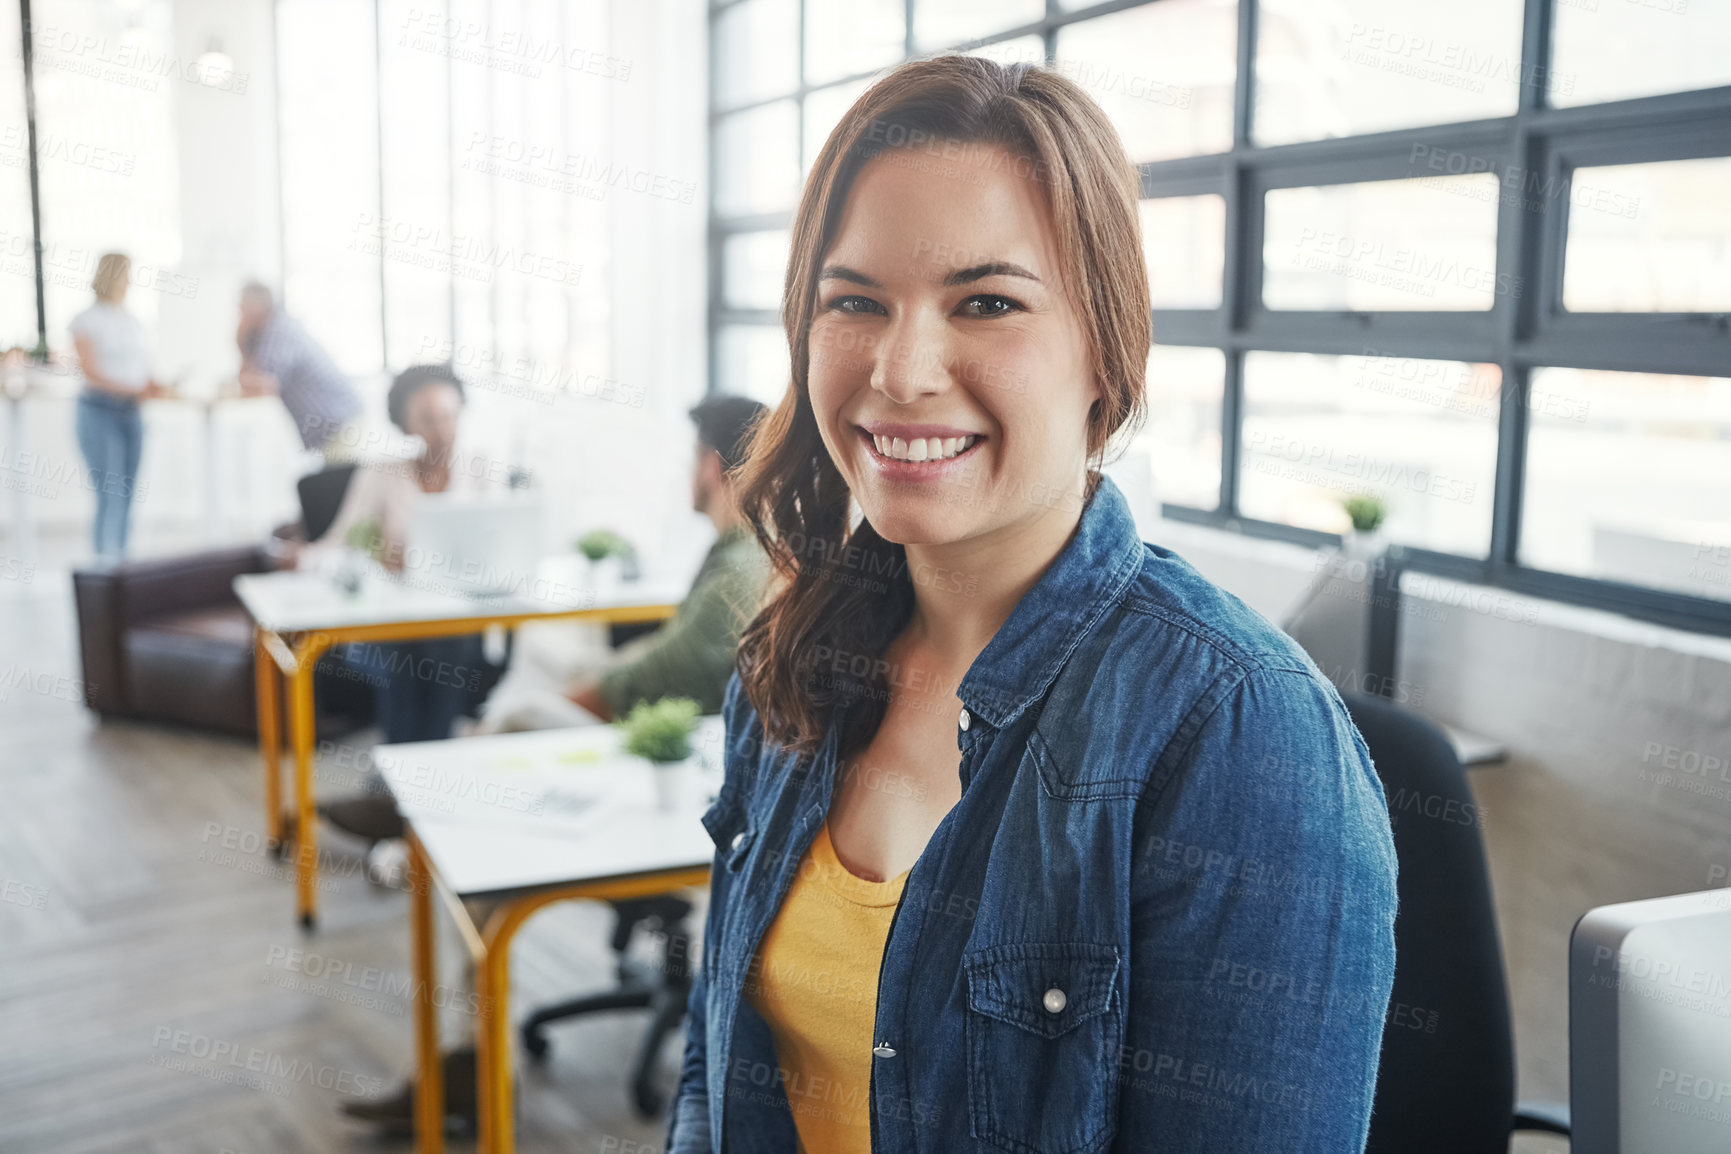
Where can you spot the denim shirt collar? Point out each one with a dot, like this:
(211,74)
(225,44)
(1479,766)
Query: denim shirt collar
(1088,575)
(1023,658)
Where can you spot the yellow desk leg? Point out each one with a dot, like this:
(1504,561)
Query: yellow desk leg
(493,1029)
(430,1073)
(301,730)
(268,686)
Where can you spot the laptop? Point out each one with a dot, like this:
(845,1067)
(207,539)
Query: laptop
(474,545)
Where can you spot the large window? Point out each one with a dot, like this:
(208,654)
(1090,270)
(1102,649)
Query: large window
(471,219)
(1471,258)
(106,157)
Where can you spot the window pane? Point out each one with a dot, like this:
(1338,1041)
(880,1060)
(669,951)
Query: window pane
(419,256)
(1650,238)
(942,23)
(752,361)
(1422,435)
(108,156)
(1354,246)
(1629,478)
(757,160)
(1021,50)
(847,37)
(332,233)
(753,267)
(823,111)
(1163,73)
(1183,428)
(1184,242)
(473,202)
(756,51)
(17,240)
(1356,66)
(1616,49)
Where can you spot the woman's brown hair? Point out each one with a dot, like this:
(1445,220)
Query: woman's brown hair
(813,645)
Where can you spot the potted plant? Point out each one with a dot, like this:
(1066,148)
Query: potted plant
(660,731)
(1366,511)
(364,538)
(599,544)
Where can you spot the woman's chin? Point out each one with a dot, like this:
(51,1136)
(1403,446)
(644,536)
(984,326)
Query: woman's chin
(902,524)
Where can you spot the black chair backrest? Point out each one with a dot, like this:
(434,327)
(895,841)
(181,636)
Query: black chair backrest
(321,496)
(1447,1081)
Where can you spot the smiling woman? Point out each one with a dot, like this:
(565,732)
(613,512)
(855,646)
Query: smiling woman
(1021,931)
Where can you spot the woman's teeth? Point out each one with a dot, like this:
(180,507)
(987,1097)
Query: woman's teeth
(923,448)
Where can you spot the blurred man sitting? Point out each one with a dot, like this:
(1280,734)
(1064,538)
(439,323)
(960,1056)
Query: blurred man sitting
(561,673)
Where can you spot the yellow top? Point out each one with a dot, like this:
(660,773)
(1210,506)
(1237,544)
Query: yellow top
(815,981)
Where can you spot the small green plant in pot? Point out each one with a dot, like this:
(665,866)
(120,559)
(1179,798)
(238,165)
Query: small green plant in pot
(1366,511)
(600,544)
(661,731)
(363,537)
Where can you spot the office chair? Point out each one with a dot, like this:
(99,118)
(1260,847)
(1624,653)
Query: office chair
(662,986)
(321,497)
(1447,1079)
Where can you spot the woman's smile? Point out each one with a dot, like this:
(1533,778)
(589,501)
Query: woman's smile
(910,452)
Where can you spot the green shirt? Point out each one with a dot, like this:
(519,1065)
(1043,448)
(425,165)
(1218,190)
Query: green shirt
(693,654)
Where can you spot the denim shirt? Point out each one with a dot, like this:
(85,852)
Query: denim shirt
(1160,918)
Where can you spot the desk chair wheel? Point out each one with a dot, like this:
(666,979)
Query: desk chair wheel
(535,1042)
(308,922)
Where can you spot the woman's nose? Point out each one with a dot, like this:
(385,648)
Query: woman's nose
(912,359)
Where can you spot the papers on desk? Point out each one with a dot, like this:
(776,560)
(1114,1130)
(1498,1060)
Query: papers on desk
(552,784)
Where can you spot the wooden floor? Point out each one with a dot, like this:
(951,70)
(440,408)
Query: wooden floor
(129,933)
(148,999)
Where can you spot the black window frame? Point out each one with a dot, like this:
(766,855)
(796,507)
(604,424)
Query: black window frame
(1521,331)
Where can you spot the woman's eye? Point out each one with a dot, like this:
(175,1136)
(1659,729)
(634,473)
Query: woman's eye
(987,305)
(853,304)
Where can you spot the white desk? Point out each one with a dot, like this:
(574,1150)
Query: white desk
(298,616)
(526,820)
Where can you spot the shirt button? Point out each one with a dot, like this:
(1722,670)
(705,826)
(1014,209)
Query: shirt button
(738,840)
(965,719)
(884,1050)
(1055,1001)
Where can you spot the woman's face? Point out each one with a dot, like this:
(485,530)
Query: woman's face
(950,372)
(431,414)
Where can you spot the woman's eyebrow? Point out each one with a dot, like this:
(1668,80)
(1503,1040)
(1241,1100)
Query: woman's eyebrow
(991,268)
(842,272)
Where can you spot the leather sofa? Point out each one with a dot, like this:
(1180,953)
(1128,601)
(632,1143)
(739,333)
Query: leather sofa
(166,639)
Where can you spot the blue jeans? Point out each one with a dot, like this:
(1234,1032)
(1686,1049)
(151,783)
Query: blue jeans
(111,437)
(421,687)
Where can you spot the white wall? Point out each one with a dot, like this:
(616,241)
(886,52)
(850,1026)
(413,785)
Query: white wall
(1633,719)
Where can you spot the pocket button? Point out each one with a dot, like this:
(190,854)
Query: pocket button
(884,1050)
(1055,1001)
(738,840)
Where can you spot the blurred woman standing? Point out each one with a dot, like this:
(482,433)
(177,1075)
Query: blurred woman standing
(114,358)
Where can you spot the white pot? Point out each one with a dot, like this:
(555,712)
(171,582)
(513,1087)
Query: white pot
(1359,546)
(676,783)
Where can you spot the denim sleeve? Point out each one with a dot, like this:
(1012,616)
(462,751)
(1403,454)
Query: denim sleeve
(688,1129)
(1262,944)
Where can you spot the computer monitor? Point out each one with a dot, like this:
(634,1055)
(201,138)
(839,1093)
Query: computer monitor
(1650,1027)
(474,544)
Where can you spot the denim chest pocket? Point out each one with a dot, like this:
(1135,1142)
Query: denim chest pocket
(729,826)
(1044,1025)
